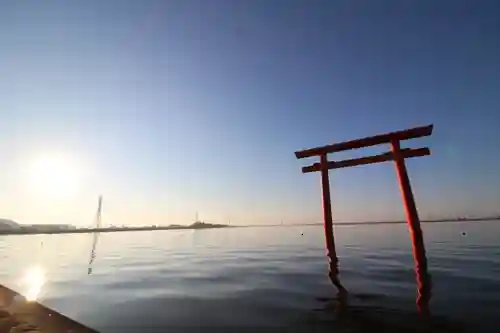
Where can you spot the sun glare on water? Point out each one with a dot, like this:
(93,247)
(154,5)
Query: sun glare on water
(32,283)
(54,176)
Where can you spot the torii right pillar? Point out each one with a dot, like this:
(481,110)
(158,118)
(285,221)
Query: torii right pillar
(397,155)
(424,288)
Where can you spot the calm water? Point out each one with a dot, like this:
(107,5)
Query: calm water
(259,277)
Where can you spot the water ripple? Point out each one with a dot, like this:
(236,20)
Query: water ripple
(250,278)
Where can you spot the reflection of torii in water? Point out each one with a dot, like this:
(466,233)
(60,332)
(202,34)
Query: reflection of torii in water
(96,235)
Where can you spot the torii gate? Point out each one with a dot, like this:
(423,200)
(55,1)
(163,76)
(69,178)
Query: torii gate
(398,155)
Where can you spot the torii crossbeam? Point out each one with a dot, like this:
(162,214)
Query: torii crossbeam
(398,155)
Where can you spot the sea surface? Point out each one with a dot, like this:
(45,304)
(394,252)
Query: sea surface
(260,277)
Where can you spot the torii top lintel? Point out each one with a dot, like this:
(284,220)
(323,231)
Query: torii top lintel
(412,133)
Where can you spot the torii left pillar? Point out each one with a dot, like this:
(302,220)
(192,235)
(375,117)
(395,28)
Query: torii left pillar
(331,253)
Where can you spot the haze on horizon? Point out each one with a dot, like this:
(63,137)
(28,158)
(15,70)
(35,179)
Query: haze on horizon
(171,107)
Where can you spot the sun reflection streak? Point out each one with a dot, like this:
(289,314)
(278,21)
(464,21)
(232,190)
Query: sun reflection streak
(33,281)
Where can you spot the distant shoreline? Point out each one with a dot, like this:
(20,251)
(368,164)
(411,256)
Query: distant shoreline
(194,226)
(201,226)
(427,221)
(485,219)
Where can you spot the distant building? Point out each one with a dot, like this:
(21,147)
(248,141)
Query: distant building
(48,227)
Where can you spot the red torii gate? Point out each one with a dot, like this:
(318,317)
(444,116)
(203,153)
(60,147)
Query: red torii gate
(398,155)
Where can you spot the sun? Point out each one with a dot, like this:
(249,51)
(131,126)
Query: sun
(54,175)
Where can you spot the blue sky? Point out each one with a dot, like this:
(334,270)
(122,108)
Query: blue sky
(172,107)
